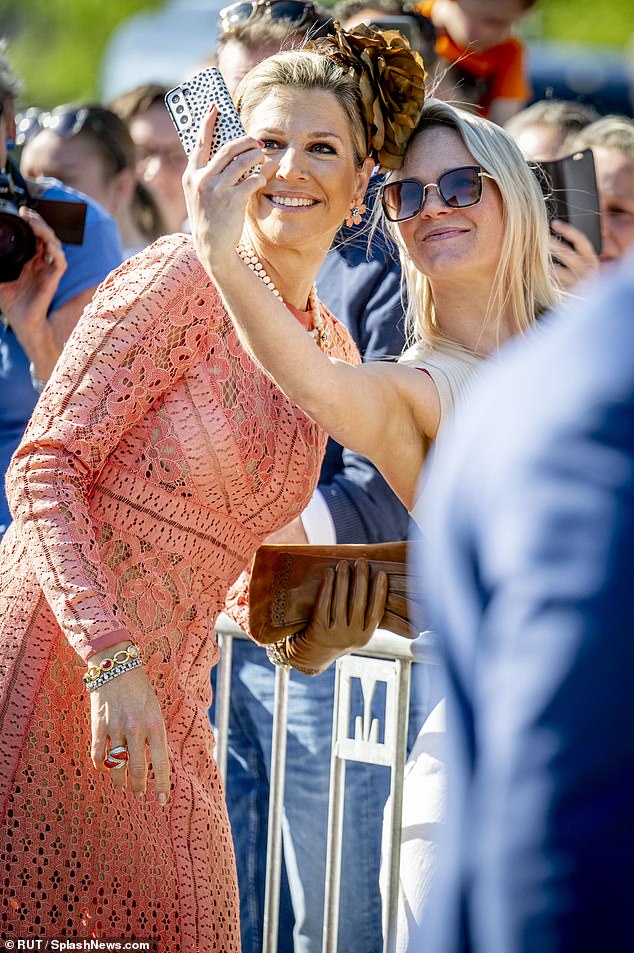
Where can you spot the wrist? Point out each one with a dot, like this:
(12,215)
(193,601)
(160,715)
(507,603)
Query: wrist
(38,343)
(96,657)
(115,664)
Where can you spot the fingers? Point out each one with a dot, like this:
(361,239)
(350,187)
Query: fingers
(579,241)
(357,602)
(376,602)
(118,776)
(322,609)
(48,242)
(126,713)
(573,255)
(238,155)
(200,153)
(339,604)
(99,741)
(159,754)
(137,764)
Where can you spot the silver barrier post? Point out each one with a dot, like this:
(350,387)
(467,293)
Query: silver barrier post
(223,699)
(276,808)
(371,666)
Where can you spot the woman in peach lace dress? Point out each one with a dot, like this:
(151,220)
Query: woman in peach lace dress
(157,460)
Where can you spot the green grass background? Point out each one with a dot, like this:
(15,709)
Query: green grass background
(56,45)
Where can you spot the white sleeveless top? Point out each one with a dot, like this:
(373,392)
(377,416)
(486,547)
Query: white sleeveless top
(455,374)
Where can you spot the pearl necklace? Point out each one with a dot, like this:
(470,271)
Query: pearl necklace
(249,257)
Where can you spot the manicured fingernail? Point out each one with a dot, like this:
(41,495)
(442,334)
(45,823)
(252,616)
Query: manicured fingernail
(213,108)
(260,142)
(162,798)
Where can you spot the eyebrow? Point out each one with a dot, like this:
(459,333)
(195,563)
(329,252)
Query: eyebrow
(313,135)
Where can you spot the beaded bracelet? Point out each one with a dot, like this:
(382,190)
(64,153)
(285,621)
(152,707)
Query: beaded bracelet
(111,667)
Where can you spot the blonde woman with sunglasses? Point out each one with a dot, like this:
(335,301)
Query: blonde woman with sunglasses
(469,219)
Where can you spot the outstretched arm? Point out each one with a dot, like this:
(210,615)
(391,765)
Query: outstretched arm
(381,411)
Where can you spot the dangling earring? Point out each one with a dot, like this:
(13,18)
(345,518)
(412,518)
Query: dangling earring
(354,215)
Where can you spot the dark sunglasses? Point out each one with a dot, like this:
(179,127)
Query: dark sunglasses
(68,122)
(297,12)
(458,188)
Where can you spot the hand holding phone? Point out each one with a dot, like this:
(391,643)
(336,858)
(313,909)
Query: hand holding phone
(570,190)
(189,103)
(572,256)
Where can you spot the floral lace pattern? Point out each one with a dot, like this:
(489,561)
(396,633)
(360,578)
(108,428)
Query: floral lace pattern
(157,459)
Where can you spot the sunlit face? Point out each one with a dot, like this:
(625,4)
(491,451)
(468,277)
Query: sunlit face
(615,181)
(74,161)
(541,143)
(480,24)
(310,168)
(448,243)
(161,163)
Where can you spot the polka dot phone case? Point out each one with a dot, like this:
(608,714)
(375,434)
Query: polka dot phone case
(189,103)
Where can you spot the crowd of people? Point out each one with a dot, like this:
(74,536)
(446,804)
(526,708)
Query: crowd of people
(302,338)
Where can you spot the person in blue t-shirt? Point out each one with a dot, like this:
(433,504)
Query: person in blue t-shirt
(40,309)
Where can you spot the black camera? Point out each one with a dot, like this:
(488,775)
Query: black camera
(17,241)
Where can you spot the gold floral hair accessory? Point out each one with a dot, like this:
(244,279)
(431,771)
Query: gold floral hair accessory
(391,79)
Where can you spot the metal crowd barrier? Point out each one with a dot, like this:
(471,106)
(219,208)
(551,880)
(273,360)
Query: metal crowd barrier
(386,658)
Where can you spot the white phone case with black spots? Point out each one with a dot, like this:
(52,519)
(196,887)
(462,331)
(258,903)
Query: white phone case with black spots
(189,103)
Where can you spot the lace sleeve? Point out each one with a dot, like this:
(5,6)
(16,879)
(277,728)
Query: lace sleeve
(145,326)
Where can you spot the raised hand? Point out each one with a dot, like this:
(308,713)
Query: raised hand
(216,194)
(574,258)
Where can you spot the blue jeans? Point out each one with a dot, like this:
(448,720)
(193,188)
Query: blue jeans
(305,819)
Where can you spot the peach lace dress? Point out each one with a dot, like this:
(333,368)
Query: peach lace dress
(156,461)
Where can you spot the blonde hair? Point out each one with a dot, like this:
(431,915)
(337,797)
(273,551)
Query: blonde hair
(303,69)
(523,284)
(609,132)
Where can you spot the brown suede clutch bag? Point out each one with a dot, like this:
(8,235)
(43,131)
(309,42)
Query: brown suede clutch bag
(285,580)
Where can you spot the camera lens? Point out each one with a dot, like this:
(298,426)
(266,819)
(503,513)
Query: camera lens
(17,244)
(180,109)
(176,98)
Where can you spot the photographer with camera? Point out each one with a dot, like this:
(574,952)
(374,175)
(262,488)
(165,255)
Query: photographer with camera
(45,282)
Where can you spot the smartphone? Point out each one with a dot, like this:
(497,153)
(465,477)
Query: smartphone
(570,189)
(189,103)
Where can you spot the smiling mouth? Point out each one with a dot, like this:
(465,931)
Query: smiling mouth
(444,233)
(288,201)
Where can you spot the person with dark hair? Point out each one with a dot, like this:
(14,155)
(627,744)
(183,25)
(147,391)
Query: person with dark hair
(41,307)
(161,160)
(159,457)
(89,148)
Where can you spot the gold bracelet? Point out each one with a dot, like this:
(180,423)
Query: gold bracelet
(108,664)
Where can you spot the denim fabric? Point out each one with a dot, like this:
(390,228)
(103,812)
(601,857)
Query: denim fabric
(305,807)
